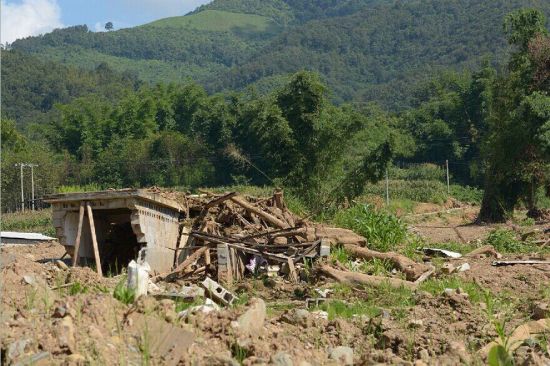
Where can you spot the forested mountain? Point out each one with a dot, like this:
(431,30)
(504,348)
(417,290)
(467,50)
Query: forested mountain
(365,49)
(31,87)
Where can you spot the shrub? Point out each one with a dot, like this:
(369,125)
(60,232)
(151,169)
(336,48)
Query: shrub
(505,241)
(382,230)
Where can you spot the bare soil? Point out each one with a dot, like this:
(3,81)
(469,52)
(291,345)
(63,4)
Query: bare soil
(87,325)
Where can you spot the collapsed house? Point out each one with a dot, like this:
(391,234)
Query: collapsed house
(192,237)
(111,228)
(222,235)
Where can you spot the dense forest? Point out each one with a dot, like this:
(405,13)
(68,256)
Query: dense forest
(364,49)
(105,128)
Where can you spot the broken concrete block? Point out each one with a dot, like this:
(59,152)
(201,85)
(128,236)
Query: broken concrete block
(218,293)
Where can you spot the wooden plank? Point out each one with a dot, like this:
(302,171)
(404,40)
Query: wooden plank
(94,239)
(190,260)
(78,234)
(292,271)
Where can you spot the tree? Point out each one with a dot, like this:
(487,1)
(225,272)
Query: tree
(516,153)
(109,26)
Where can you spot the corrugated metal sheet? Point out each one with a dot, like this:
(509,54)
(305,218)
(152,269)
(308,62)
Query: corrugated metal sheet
(24,236)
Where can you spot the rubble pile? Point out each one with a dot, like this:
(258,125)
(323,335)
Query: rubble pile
(230,235)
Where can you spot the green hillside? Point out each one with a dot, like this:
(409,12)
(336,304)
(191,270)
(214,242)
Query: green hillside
(366,50)
(217,21)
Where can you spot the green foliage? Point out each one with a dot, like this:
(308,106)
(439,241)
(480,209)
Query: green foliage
(505,241)
(216,21)
(124,294)
(471,195)
(77,288)
(39,221)
(382,230)
(414,190)
(518,161)
(499,356)
(437,286)
(232,44)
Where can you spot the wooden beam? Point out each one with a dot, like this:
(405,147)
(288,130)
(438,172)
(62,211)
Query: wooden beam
(259,212)
(78,233)
(94,239)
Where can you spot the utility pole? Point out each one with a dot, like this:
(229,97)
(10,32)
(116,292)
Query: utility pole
(22,196)
(32,182)
(21,166)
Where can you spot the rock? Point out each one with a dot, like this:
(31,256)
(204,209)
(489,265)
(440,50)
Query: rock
(343,355)
(252,321)
(65,332)
(448,268)
(281,359)
(191,292)
(449,291)
(541,310)
(61,265)
(299,317)
(416,323)
(60,311)
(463,267)
(29,279)
(18,348)
(304,363)
(76,359)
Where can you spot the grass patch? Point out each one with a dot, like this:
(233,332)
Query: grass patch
(381,229)
(505,241)
(124,294)
(438,285)
(341,309)
(216,21)
(29,222)
(93,187)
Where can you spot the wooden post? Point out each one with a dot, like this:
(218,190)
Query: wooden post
(448,185)
(94,239)
(78,234)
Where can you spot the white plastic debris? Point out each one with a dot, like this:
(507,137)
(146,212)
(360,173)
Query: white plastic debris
(138,277)
(206,308)
(323,292)
(443,252)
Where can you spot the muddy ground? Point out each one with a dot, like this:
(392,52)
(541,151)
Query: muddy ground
(56,315)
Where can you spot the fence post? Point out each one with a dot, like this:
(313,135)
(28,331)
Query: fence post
(448,185)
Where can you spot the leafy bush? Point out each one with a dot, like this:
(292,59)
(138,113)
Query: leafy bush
(419,172)
(467,194)
(382,230)
(505,241)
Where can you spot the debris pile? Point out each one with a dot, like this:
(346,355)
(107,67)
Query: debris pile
(232,235)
